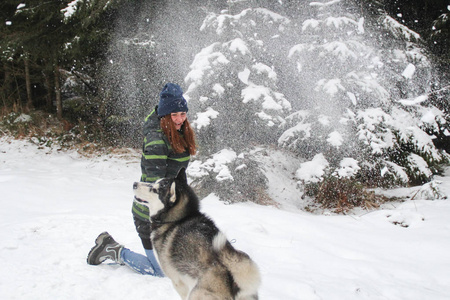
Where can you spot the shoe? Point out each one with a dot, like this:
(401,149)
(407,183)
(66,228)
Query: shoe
(105,248)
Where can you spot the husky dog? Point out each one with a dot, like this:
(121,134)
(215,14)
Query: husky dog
(192,252)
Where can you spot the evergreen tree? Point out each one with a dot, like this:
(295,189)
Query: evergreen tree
(233,89)
(356,87)
(233,83)
(38,35)
(53,41)
(363,101)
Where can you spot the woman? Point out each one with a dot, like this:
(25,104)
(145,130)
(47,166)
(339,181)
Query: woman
(169,141)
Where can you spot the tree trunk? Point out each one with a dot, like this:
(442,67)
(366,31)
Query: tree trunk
(49,87)
(5,90)
(28,84)
(17,105)
(58,94)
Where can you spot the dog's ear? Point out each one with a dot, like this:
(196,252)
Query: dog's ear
(182,175)
(173,194)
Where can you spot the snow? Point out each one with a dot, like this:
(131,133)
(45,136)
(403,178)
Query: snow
(369,84)
(243,76)
(298,49)
(339,21)
(281,184)
(420,163)
(348,167)
(209,56)
(372,118)
(352,98)
(204,118)
(324,120)
(409,71)
(55,203)
(218,89)
(312,171)
(70,9)
(261,68)
(238,45)
(217,164)
(322,5)
(313,23)
(330,87)
(343,50)
(415,101)
(361,26)
(334,22)
(23,118)
(399,30)
(270,16)
(300,129)
(291,136)
(261,93)
(335,139)
(219,23)
(396,170)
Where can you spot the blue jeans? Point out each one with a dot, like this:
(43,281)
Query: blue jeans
(146,265)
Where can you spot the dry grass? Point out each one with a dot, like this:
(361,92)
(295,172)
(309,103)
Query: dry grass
(343,194)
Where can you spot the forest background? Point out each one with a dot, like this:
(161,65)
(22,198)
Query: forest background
(353,93)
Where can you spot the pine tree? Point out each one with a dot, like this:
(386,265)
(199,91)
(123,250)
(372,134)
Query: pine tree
(50,41)
(352,91)
(233,89)
(233,81)
(363,101)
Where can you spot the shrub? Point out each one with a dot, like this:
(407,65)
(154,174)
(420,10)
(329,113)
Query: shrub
(234,178)
(343,194)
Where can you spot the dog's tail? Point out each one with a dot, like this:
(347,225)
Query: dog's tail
(244,270)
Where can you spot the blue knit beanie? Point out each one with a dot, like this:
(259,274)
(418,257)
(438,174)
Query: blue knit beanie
(171,100)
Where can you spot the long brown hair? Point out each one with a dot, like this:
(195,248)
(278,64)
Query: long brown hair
(179,142)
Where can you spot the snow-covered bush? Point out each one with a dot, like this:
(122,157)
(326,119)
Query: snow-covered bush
(430,191)
(233,177)
(336,188)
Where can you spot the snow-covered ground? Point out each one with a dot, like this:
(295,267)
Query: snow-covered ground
(54,204)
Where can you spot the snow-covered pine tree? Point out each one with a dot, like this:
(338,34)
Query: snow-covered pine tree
(350,98)
(363,101)
(332,74)
(409,76)
(232,87)
(233,83)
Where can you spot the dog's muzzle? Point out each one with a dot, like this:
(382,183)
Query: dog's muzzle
(136,199)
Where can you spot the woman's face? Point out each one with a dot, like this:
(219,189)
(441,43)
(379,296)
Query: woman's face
(178,119)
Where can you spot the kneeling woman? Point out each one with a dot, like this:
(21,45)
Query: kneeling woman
(169,141)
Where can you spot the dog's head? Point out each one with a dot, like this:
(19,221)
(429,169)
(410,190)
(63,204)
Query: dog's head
(162,195)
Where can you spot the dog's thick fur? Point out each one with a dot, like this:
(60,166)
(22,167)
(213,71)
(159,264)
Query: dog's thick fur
(192,252)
